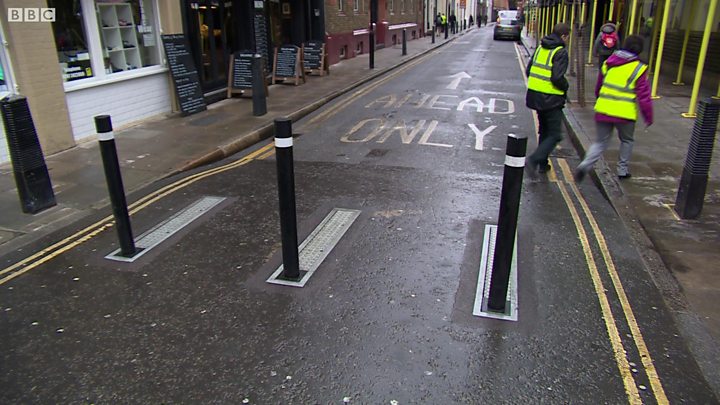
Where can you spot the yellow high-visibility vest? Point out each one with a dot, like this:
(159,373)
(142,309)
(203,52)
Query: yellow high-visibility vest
(541,71)
(617,95)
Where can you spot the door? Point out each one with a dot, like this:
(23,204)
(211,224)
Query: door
(211,31)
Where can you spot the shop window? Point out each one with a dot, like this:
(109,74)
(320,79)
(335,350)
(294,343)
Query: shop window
(99,38)
(127,35)
(71,40)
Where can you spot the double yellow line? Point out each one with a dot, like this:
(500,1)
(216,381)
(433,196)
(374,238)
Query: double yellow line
(95,229)
(610,323)
(600,291)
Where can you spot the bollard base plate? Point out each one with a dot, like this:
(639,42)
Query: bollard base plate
(167,228)
(482,293)
(317,246)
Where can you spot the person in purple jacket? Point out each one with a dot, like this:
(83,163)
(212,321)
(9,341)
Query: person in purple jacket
(622,90)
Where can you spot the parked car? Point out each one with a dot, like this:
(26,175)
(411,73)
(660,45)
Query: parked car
(507,28)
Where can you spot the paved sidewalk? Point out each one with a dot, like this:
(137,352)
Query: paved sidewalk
(163,146)
(687,248)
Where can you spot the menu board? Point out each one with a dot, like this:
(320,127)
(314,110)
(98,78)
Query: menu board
(261,38)
(184,74)
(314,57)
(288,62)
(241,70)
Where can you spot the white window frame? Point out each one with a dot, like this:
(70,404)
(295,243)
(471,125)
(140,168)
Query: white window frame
(391,3)
(100,77)
(6,66)
(341,6)
(356,5)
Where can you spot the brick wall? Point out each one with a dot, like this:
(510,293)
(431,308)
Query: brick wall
(340,25)
(37,74)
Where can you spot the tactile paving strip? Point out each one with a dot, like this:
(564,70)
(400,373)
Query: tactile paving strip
(318,245)
(482,294)
(167,228)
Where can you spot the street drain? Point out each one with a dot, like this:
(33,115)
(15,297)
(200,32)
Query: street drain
(317,246)
(167,228)
(482,294)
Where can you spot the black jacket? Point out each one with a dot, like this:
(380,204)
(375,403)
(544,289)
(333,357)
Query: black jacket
(541,101)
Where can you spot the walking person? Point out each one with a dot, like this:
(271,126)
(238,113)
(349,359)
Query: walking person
(606,42)
(546,94)
(622,89)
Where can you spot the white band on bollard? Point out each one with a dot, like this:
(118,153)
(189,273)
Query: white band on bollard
(514,161)
(283,142)
(106,136)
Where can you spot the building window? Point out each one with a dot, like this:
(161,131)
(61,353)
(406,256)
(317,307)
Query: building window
(71,40)
(356,5)
(391,5)
(341,6)
(127,35)
(100,38)
(402,6)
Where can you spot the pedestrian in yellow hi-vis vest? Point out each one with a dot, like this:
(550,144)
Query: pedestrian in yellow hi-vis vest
(546,94)
(622,91)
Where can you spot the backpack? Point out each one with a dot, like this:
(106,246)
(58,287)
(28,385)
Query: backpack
(609,40)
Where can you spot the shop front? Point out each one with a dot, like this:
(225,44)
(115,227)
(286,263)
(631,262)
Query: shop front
(109,57)
(216,29)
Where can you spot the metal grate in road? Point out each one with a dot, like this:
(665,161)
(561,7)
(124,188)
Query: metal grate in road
(167,228)
(317,246)
(482,294)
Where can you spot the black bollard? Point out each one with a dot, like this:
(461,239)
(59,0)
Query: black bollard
(447,28)
(693,183)
(258,87)
(286,193)
(372,46)
(432,41)
(404,45)
(507,220)
(106,138)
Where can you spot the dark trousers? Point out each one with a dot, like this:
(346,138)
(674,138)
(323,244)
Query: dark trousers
(550,135)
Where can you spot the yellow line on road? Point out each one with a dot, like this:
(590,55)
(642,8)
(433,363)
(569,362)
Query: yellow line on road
(93,230)
(608,318)
(337,107)
(619,290)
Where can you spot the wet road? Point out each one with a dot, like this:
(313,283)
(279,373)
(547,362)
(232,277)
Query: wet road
(388,314)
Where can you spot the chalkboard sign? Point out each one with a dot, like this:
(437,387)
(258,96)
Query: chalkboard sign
(240,74)
(184,75)
(288,64)
(241,70)
(261,37)
(314,58)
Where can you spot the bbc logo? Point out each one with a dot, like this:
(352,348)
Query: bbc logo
(27,14)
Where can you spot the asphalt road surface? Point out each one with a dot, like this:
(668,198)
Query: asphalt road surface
(417,157)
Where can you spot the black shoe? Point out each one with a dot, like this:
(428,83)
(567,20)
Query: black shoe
(544,168)
(579,175)
(624,176)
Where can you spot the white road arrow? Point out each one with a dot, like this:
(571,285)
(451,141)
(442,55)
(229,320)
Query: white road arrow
(457,77)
